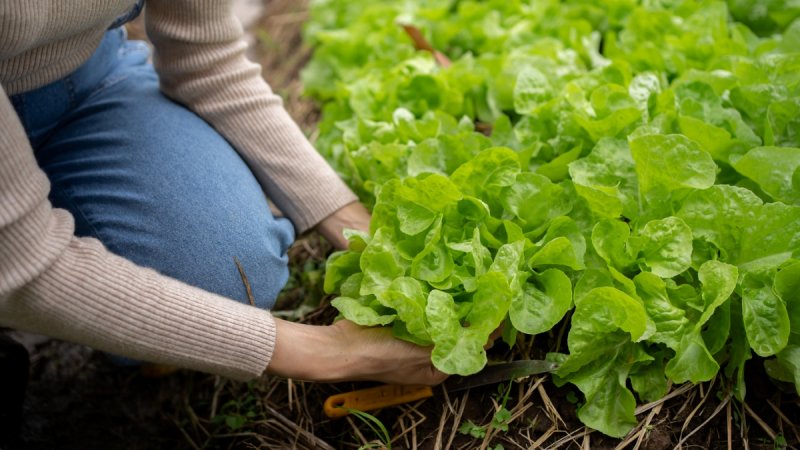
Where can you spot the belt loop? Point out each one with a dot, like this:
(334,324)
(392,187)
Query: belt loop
(127,17)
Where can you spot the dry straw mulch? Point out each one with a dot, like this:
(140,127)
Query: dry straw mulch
(77,400)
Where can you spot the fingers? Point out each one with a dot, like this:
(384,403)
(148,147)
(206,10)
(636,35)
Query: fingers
(388,359)
(437,376)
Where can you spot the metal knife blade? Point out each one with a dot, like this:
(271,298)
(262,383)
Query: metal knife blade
(499,372)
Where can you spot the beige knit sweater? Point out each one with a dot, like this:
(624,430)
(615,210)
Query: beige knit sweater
(56,284)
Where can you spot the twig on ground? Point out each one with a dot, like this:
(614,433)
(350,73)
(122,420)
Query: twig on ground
(245,281)
(767,429)
(306,409)
(516,413)
(274,383)
(219,383)
(412,428)
(677,392)
(785,419)
(437,445)
(550,408)
(235,435)
(403,432)
(687,402)
(587,445)
(544,437)
(310,438)
(646,426)
(521,406)
(640,431)
(186,435)
(509,441)
(490,430)
(743,431)
(570,437)
(449,403)
(290,391)
(280,427)
(357,431)
(697,407)
(457,419)
(705,422)
(729,426)
(195,421)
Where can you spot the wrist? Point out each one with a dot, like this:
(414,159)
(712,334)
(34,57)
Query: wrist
(307,352)
(351,216)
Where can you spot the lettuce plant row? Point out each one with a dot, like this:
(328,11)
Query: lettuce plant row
(631,166)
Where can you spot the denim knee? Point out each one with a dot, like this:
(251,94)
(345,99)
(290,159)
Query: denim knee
(247,263)
(256,271)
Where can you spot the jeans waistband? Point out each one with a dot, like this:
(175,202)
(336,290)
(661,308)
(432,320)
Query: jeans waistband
(45,105)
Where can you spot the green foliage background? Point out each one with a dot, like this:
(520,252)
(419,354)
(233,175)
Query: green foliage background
(642,170)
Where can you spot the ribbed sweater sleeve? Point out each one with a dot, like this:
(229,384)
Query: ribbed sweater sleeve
(200,59)
(72,288)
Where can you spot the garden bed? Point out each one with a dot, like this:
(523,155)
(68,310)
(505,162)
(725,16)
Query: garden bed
(78,400)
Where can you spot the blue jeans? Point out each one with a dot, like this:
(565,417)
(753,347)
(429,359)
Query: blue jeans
(150,179)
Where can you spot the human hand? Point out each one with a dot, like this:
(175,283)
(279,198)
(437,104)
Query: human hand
(353,216)
(345,351)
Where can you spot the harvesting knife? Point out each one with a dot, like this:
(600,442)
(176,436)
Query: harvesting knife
(378,397)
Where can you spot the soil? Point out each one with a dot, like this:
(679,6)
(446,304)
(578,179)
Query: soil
(78,399)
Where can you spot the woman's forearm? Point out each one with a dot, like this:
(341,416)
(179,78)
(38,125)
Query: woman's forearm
(352,216)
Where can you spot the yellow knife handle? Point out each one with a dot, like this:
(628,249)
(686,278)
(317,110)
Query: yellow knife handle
(374,398)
